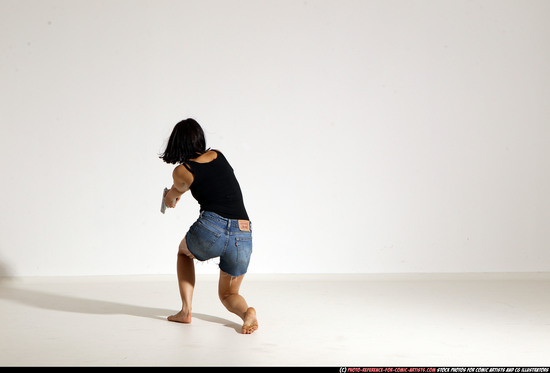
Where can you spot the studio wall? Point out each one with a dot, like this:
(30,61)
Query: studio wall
(367,136)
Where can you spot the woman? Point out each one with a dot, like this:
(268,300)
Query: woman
(223,228)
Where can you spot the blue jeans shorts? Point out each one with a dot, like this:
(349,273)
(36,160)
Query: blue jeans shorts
(214,236)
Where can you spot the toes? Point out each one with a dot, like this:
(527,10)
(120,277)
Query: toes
(249,329)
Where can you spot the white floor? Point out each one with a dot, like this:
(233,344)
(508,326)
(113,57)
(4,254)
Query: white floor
(305,320)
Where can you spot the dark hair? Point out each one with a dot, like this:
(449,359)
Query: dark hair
(186,142)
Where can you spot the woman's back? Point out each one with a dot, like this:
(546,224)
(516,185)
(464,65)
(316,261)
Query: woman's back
(215,186)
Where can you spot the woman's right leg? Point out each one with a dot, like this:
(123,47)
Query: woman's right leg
(186,283)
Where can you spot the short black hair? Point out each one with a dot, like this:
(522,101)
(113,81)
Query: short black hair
(186,142)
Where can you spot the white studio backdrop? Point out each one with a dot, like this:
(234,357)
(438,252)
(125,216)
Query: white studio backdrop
(368,136)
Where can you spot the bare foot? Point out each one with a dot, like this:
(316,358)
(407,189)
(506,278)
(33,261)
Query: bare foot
(181,317)
(250,321)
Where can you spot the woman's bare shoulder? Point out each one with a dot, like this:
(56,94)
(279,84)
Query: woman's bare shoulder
(182,173)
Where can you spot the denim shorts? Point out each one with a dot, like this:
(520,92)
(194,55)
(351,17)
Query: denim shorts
(213,236)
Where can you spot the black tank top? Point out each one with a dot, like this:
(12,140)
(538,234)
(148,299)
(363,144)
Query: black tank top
(216,188)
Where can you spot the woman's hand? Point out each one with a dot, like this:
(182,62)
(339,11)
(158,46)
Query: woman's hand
(172,197)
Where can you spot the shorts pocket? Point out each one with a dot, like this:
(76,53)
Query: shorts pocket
(244,249)
(200,240)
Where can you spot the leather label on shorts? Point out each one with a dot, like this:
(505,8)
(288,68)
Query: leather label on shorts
(244,225)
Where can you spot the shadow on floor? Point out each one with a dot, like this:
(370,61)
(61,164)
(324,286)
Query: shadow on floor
(64,303)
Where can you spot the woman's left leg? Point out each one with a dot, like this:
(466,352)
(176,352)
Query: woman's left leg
(228,291)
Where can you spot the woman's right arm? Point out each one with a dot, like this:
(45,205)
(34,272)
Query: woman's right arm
(182,181)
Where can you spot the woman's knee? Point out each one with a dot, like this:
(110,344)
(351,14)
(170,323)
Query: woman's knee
(229,285)
(223,294)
